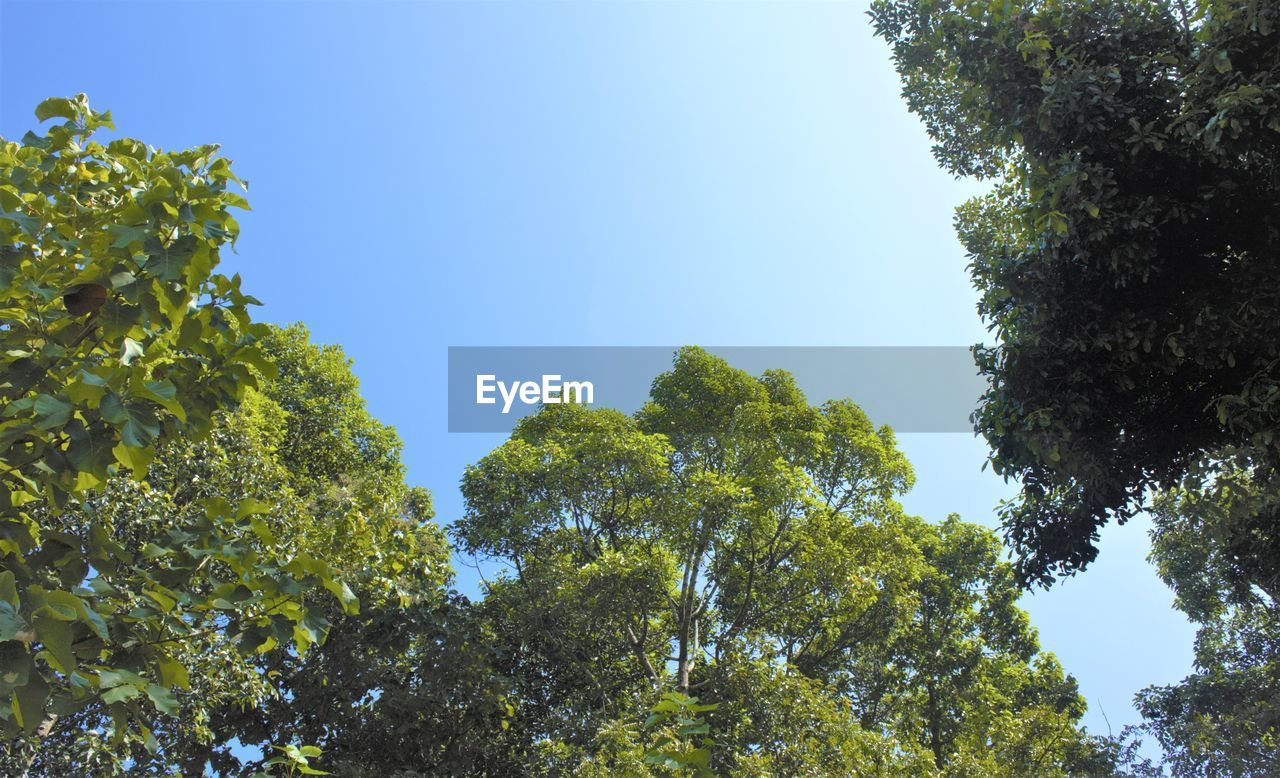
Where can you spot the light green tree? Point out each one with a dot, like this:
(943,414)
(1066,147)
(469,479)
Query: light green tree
(734,542)
(305,444)
(117,336)
(1223,719)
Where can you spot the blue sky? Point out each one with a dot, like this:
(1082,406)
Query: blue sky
(427,174)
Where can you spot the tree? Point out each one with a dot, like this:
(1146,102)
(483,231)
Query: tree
(404,686)
(1224,719)
(733,541)
(1125,253)
(117,337)
(394,684)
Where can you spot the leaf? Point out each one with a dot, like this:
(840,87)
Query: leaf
(28,703)
(120,694)
(56,636)
(52,412)
(339,589)
(164,393)
(251,506)
(52,107)
(91,451)
(109,679)
(126,235)
(163,699)
(309,630)
(8,588)
(12,625)
(136,459)
(61,605)
(95,622)
(170,263)
(138,424)
(173,673)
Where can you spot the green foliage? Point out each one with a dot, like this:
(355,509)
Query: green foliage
(119,338)
(1224,719)
(734,540)
(681,737)
(293,760)
(277,680)
(1125,254)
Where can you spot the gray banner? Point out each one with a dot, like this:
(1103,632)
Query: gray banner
(910,388)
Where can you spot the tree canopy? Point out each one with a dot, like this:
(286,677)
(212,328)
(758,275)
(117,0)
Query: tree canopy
(119,337)
(735,542)
(210,559)
(1223,719)
(304,443)
(1125,252)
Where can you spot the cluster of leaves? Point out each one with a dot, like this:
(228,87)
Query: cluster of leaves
(1126,252)
(293,760)
(116,336)
(681,736)
(122,597)
(1224,719)
(339,497)
(1126,257)
(734,540)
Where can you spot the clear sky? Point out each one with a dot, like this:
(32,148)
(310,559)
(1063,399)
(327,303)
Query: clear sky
(427,174)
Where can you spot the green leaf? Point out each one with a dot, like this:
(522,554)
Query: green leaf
(90,451)
(109,679)
(339,589)
(52,412)
(163,699)
(251,506)
(120,694)
(59,107)
(165,394)
(173,674)
(61,605)
(138,424)
(28,704)
(168,265)
(8,588)
(126,235)
(309,630)
(56,636)
(12,625)
(136,459)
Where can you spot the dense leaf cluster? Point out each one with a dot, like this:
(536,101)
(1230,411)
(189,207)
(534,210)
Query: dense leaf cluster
(117,336)
(735,542)
(1126,254)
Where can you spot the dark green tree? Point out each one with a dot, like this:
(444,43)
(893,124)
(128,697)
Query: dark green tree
(1126,252)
